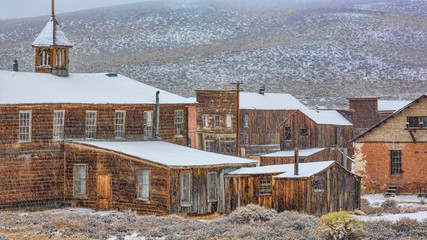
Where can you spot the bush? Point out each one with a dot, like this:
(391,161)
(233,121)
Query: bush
(340,225)
(390,206)
(251,212)
(366,207)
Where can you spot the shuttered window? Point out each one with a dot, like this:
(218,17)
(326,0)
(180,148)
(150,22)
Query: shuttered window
(119,126)
(80,180)
(185,188)
(58,125)
(25,126)
(90,124)
(212,186)
(148,124)
(143,188)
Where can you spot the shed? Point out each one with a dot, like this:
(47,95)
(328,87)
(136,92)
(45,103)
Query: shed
(304,156)
(318,188)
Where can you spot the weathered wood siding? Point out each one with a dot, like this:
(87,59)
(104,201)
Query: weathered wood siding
(317,157)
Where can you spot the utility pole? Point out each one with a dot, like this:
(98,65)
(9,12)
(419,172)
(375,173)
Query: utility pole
(237,146)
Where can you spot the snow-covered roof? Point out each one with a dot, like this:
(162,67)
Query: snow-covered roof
(52,35)
(83,88)
(269,101)
(285,170)
(391,105)
(301,153)
(168,154)
(327,117)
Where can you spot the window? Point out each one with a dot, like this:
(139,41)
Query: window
(335,135)
(119,127)
(212,186)
(148,124)
(246,121)
(58,125)
(228,121)
(425,122)
(179,123)
(228,145)
(288,136)
(210,144)
(205,121)
(303,132)
(90,124)
(246,139)
(185,188)
(264,187)
(318,184)
(350,184)
(44,57)
(216,120)
(80,180)
(414,122)
(396,162)
(143,187)
(25,126)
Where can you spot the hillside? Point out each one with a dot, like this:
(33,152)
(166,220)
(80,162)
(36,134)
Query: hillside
(319,53)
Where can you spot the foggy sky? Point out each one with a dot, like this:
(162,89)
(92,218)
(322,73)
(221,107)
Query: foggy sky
(32,8)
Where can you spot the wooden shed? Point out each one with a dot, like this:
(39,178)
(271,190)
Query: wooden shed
(286,157)
(318,188)
(151,177)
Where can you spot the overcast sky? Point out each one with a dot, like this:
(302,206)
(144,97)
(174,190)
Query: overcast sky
(32,8)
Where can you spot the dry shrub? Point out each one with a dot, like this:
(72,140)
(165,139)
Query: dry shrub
(390,206)
(404,228)
(3,238)
(340,226)
(365,207)
(251,213)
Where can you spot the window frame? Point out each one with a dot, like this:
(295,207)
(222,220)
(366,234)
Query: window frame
(179,126)
(216,121)
(264,187)
(75,166)
(205,120)
(119,127)
(185,201)
(61,137)
(303,132)
(212,186)
(318,183)
(94,124)
(419,119)
(228,121)
(246,121)
(396,167)
(287,134)
(148,128)
(29,127)
(139,188)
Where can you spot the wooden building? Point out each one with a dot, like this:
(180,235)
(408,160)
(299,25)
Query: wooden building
(315,188)
(311,130)
(259,117)
(393,153)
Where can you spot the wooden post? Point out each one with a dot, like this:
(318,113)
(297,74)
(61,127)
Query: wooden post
(296,153)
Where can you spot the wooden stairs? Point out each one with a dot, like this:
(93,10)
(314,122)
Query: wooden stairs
(391,191)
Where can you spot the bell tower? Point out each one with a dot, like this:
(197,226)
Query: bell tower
(52,48)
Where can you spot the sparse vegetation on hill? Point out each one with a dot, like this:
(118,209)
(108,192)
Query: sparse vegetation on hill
(319,53)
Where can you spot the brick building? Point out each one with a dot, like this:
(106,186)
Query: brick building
(393,151)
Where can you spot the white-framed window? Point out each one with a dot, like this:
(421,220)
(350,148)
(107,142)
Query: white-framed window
(205,121)
(179,123)
(80,172)
(185,188)
(90,124)
(228,121)
(58,124)
(212,186)
(24,126)
(119,126)
(246,121)
(148,124)
(216,119)
(143,186)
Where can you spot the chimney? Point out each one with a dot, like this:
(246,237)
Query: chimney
(261,90)
(157,114)
(296,167)
(15,65)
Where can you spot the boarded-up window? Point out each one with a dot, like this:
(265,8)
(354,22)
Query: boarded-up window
(216,118)
(288,135)
(303,132)
(185,188)
(148,124)
(228,120)
(246,121)
(119,127)
(350,184)
(264,187)
(90,124)
(318,184)
(25,126)
(80,180)
(212,186)
(396,162)
(143,189)
(58,125)
(179,123)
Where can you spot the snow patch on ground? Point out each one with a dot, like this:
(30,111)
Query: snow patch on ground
(419,216)
(402,200)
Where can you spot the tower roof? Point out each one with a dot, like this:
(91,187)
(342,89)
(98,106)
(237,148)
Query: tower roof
(52,35)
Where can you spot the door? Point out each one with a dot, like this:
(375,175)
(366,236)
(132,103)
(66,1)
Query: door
(103,187)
